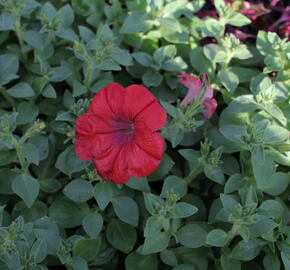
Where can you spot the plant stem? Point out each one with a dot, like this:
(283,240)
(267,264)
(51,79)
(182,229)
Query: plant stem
(19,35)
(22,161)
(87,81)
(194,173)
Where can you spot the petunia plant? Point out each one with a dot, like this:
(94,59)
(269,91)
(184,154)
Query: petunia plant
(149,134)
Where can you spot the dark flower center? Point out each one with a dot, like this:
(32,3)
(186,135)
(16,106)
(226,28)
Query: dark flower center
(125,130)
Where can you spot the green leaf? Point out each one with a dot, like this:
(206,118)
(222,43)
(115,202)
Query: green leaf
(6,157)
(170,109)
(108,64)
(174,8)
(46,229)
(236,18)
(271,208)
(192,236)
(276,184)
(271,262)
(164,53)
(141,262)
(153,203)
(68,162)
(36,211)
(78,89)
(121,236)
(103,194)
(263,171)
(200,62)
(176,64)
(93,224)
(21,90)
(78,263)
(274,134)
(286,260)
(50,185)
(234,183)
(87,248)
(234,133)
(263,44)
(168,257)
(136,22)
(31,153)
(79,190)
(126,209)
(27,113)
(182,210)
(144,59)
(67,213)
(26,187)
(173,31)
(152,78)
(170,23)
(173,185)
(217,238)
(215,173)
(66,15)
(153,225)
(9,65)
(247,251)
(39,250)
(122,57)
(34,39)
(138,183)
(229,80)
(215,53)
(176,134)
(155,243)
(49,91)
(7,21)
(228,202)
(190,155)
(163,169)
(228,263)
(60,73)
(212,28)
(276,112)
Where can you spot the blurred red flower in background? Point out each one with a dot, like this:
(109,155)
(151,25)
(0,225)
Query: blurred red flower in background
(119,133)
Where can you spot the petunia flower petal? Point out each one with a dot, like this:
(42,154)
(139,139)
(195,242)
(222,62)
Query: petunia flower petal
(84,125)
(138,158)
(105,163)
(84,146)
(193,86)
(208,93)
(210,106)
(154,116)
(108,101)
(137,99)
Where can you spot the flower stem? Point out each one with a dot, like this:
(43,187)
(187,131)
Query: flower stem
(22,161)
(87,81)
(194,173)
(19,35)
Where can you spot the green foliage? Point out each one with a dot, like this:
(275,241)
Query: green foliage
(220,197)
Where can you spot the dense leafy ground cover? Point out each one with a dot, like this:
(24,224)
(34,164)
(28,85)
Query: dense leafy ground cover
(220,197)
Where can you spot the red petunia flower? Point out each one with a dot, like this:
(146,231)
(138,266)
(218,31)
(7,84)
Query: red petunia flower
(119,133)
(194,87)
